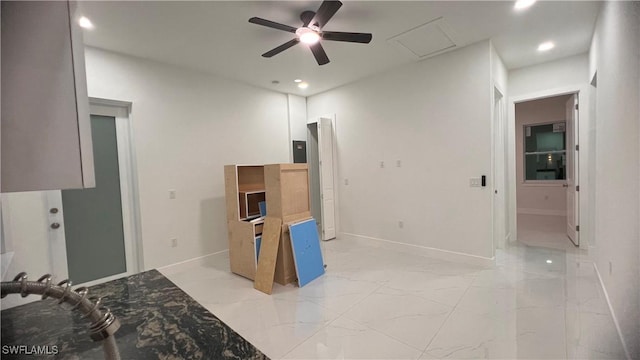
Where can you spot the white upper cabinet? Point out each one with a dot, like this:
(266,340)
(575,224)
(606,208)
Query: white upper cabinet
(46,131)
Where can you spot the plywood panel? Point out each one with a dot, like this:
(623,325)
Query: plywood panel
(268,255)
(274,190)
(250,177)
(242,248)
(231,192)
(285,267)
(295,200)
(288,191)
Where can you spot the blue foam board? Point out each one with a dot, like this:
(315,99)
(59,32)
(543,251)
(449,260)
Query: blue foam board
(263,208)
(258,243)
(307,254)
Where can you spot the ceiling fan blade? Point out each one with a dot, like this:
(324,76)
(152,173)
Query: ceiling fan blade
(325,12)
(272,24)
(319,54)
(363,38)
(281,48)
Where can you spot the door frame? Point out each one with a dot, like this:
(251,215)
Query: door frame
(500,230)
(582,90)
(316,120)
(130,199)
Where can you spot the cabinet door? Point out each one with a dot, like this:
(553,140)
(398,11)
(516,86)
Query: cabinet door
(46,133)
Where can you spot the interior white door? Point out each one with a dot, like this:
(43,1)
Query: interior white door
(572,169)
(327,192)
(57,236)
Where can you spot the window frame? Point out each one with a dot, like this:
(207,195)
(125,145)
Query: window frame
(555,182)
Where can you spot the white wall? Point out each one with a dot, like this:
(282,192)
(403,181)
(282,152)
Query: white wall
(542,199)
(186,126)
(614,55)
(297,119)
(413,114)
(550,75)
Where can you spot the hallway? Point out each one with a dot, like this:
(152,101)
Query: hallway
(547,231)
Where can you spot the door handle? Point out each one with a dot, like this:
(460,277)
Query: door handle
(55,225)
(53,210)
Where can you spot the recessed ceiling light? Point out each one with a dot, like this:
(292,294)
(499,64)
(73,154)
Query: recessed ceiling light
(546,46)
(297,80)
(549,262)
(85,23)
(523,4)
(303,85)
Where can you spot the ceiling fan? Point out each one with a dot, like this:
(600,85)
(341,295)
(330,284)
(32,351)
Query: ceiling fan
(311,31)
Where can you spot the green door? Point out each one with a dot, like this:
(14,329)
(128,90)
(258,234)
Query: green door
(93,217)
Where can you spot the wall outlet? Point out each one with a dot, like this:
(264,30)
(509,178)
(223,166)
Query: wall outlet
(398,163)
(401,224)
(474,182)
(346,181)
(381,164)
(172,193)
(174,242)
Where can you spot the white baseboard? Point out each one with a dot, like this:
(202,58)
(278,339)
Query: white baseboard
(421,250)
(551,212)
(613,314)
(193,259)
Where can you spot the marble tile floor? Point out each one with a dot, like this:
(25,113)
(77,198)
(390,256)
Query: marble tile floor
(544,230)
(376,303)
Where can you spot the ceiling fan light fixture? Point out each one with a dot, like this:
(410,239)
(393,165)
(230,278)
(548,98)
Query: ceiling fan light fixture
(523,4)
(307,35)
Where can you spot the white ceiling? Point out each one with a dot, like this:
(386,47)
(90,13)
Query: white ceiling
(216,37)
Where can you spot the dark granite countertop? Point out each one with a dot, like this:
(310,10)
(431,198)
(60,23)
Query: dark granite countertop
(158,321)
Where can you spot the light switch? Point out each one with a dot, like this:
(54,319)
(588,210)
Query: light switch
(172,194)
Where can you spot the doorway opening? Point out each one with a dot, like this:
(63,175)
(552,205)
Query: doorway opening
(547,190)
(321,160)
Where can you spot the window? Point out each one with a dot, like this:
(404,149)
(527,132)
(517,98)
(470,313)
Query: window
(545,152)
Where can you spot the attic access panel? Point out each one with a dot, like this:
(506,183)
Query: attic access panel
(425,40)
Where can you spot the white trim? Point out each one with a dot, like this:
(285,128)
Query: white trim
(613,314)
(440,254)
(543,183)
(127,194)
(498,181)
(192,259)
(583,139)
(549,212)
(102,280)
